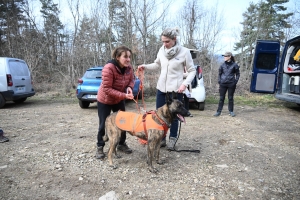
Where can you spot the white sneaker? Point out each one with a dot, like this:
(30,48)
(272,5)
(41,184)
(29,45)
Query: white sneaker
(171,143)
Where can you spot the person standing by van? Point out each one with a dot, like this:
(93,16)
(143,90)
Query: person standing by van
(229,74)
(171,59)
(116,86)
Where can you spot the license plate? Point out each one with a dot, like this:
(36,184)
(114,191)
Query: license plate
(91,96)
(20,89)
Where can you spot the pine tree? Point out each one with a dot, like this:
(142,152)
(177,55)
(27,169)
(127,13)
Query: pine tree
(12,22)
(52,30)
(263,20)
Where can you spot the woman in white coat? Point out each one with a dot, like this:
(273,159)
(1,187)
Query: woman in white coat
(172,58)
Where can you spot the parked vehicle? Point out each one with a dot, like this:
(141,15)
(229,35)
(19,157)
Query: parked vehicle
(15,81)
(89,84)
(269,75)
(198,90)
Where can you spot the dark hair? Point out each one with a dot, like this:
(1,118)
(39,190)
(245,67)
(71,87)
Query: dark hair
(118,52)
(232,58)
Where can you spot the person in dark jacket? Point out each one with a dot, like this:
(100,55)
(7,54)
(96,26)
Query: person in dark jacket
(117,84)
(229,74)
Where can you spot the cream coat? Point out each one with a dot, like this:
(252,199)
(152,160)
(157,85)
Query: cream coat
(171,73)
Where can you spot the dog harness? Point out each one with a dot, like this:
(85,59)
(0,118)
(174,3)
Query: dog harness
(135,123)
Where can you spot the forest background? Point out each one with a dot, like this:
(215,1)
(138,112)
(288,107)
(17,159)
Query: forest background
(59,53)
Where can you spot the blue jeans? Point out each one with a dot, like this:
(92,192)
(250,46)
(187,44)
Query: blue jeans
(160,101)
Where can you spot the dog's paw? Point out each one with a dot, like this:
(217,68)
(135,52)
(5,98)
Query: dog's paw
(118,156)
(153,170)
(160,162)
(113,166)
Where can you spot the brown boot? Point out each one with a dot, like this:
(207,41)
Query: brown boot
(99,153)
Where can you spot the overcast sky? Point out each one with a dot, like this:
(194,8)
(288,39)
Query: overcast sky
(232,10)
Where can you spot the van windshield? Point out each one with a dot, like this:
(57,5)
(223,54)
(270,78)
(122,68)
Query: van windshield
(18,68)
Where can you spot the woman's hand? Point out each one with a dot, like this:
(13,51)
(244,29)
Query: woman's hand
(129,91)
(129,96)
(181,89)
(141,67)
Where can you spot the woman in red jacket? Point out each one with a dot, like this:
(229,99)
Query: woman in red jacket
(116,86)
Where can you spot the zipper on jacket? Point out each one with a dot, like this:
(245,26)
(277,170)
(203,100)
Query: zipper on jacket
(166,78)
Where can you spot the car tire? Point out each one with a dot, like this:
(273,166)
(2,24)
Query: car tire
(2,101)
(84,104)
(20,100)
(201,105)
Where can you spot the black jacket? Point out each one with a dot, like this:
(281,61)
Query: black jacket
(229,74)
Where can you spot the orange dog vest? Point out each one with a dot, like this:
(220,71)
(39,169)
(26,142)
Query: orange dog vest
(135,123)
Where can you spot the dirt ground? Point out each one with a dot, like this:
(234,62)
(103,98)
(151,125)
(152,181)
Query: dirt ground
(50,155)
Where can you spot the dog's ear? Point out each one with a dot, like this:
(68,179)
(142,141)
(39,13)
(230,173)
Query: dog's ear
(174,95)
(168,98)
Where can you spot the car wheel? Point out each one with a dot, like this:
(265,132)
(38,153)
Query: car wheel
(201,105)
(20,100)
(2,101)
(84,104)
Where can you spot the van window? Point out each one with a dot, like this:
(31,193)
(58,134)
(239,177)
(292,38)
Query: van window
(18,68)
(266,61)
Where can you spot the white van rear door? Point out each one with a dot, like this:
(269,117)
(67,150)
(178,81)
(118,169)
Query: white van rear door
(20,76)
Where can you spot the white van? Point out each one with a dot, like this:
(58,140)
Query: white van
(15,81)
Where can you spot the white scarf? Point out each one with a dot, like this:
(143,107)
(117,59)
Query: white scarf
(170,53)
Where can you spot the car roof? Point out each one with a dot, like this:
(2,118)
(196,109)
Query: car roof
(96,68)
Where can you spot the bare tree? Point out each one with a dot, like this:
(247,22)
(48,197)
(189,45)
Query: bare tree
(201,30)
(147,20)
(294,30)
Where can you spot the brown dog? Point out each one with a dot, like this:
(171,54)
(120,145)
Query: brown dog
(163,118)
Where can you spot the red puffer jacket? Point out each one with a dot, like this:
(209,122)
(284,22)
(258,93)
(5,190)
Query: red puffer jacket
(114,84)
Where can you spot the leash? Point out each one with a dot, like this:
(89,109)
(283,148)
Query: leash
(183,150)
(141,76)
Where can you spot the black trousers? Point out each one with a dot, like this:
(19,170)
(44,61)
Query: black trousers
(222,90)
(186,102)
(104,111)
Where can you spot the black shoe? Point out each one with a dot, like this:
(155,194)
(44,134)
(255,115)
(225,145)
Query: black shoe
(163,143)
(99,153)
(232,114)
(188,114)
(217,114)
(3,139)
(124,148)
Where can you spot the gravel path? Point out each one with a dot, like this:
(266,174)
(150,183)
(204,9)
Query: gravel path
(50,155)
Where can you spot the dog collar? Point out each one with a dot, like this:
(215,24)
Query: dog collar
(162,120)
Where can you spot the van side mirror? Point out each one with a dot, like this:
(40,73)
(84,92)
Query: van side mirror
(199,72)
(194,54)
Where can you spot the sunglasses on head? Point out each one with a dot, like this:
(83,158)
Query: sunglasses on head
(226,56)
